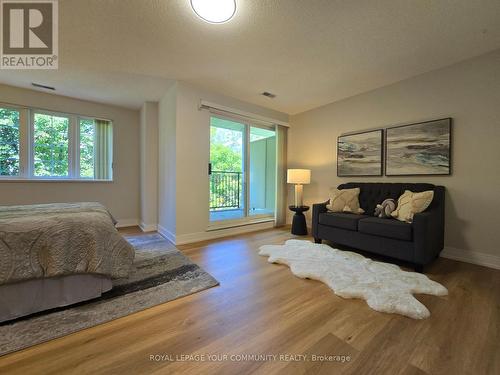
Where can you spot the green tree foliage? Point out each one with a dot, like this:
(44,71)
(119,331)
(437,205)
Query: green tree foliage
(223,158)
(51,145)
(226,149)
(9,142)
(226,157)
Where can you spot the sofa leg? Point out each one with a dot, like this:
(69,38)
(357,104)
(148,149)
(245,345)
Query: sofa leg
(419,268)
(317,240)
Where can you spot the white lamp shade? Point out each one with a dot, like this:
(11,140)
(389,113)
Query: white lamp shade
(299,176)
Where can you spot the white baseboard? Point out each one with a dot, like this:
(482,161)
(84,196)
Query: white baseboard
(122,223)
(209,235)
(148,227)
(481,259)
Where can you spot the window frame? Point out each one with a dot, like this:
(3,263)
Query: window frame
(26,146)
(31,149)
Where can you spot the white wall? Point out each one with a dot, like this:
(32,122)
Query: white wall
(149,166)
(190,157)
(167,123)
(468,92)
(121,196)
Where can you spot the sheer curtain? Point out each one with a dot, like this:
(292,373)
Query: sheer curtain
(281,190)
(103,162)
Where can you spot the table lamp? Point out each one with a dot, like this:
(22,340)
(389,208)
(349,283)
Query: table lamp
(299,177)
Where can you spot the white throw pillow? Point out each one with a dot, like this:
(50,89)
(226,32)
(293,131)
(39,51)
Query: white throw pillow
(411,203)
(345,200)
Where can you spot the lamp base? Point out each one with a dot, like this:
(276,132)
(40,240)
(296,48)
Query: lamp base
(299,192)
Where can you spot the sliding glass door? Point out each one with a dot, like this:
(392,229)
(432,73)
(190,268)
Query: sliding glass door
(242,170)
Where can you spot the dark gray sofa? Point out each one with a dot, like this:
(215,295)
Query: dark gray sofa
(418,243)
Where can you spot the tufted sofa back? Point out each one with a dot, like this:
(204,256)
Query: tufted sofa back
(373,193)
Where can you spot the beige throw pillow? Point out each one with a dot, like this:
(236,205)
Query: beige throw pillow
(345,200)
(411,203)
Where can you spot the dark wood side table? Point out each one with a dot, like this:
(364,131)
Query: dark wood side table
(299,226)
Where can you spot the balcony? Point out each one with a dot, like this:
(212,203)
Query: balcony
(227,198)
(226,192)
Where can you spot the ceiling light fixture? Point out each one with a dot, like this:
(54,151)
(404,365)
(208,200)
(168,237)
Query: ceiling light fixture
(214,11)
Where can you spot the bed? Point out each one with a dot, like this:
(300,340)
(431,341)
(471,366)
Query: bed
(54,255)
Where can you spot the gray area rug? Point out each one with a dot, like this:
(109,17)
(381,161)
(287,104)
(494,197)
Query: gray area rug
(161,274)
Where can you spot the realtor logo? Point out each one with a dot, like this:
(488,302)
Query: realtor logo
(29,37)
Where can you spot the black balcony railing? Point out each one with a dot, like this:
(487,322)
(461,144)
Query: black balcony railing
(225,190)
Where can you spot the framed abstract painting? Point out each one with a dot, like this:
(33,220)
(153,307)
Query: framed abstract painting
(419,149)
(360,154)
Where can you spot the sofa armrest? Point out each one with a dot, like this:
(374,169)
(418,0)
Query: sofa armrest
(318,208)
(428,234)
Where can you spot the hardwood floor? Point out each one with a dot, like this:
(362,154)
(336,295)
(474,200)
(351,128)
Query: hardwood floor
(261,308)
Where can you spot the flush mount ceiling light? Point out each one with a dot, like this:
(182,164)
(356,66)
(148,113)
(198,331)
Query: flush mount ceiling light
(214,11)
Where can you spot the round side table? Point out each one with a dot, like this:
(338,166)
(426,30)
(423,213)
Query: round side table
(299,220)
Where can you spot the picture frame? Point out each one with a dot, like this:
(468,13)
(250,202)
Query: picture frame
(419,149)
(360,154)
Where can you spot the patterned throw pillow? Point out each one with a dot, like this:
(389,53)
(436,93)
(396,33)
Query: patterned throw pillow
(411,203)
(345,200)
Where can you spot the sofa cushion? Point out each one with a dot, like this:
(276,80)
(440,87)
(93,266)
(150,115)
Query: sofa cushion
(341,220)
(390,228)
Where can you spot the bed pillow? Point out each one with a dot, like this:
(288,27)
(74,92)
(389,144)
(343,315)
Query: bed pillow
(411,203)
(345,200)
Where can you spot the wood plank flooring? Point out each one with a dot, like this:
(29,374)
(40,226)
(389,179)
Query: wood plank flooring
(261,308)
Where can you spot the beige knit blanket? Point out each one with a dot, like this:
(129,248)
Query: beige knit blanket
(48,240)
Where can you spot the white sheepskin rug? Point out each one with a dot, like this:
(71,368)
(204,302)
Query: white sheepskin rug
(385,287)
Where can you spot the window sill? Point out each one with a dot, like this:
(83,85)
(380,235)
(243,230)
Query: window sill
(20,179)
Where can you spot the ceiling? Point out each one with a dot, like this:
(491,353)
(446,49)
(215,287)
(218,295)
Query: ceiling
(308,53)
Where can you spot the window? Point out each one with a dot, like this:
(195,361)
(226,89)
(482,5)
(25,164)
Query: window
(50,145)
(9,142)
(36,144)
